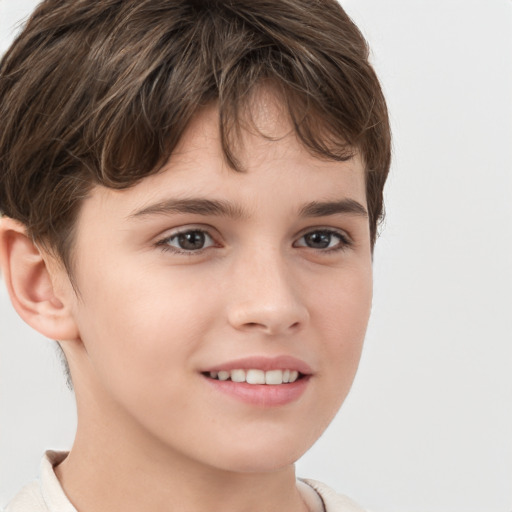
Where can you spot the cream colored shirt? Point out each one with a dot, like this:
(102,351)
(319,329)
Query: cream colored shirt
(47,495)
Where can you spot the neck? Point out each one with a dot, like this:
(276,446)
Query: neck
(110,470)
(100,482)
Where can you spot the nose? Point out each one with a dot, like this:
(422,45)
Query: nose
(266,298)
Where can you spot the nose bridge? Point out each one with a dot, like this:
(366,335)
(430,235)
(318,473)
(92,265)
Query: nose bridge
(266,297)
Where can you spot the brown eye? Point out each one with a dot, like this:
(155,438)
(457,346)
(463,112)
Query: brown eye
(318,240)
(188,241)
(323,239)
(191,241)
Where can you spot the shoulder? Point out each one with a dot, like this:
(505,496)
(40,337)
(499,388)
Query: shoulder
(29,499)
(45,494)
(333,501)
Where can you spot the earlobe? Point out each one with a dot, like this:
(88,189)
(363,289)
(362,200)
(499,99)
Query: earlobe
(31,284)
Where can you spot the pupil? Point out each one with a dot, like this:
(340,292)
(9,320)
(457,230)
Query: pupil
(318,240)
(191,240)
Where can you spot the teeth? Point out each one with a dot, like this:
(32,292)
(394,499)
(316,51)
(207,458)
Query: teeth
(294,375)
(255,377)
(238,376)
(274,377)
(271,377)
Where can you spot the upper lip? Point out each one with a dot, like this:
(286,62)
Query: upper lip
(284,362)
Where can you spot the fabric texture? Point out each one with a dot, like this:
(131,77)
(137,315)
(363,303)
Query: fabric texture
(47,495)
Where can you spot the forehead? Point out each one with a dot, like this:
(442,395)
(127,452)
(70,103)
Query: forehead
(277,193)
(265,116)
(275,166)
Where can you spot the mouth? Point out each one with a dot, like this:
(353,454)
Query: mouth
(256,376)
(261,381)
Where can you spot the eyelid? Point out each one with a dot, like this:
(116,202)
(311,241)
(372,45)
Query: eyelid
(346,240)
(162,241)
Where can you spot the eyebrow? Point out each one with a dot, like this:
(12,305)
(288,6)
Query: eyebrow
(324,209)
(206,207)
(197,206)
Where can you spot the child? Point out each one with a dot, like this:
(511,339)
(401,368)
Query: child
(190,194)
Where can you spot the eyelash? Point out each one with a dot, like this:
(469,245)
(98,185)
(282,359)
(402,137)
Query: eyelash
(344,241)
(164,243)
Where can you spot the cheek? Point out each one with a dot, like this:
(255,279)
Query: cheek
(138,326)
(341,316)
(346,300)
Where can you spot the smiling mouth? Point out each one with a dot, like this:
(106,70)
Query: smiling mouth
(255,376)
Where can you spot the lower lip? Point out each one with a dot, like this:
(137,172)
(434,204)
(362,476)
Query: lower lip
(263,395)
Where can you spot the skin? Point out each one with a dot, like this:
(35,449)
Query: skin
(148,320)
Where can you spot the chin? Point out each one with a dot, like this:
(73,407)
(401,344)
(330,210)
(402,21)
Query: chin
(262,456)
(269,463)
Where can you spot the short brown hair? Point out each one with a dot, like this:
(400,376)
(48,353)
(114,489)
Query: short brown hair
(99,93)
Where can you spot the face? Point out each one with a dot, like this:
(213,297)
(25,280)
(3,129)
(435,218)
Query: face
(202,289)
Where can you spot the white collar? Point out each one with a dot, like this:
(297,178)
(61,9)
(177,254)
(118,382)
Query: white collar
(56,499)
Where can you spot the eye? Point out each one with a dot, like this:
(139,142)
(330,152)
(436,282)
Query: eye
(324,239)
(192,240)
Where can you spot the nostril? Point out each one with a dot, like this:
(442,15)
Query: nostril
(271,328)
(285,317)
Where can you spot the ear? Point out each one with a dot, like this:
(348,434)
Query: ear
(31,284)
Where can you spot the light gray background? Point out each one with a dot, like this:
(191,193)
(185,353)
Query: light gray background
(428,425)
